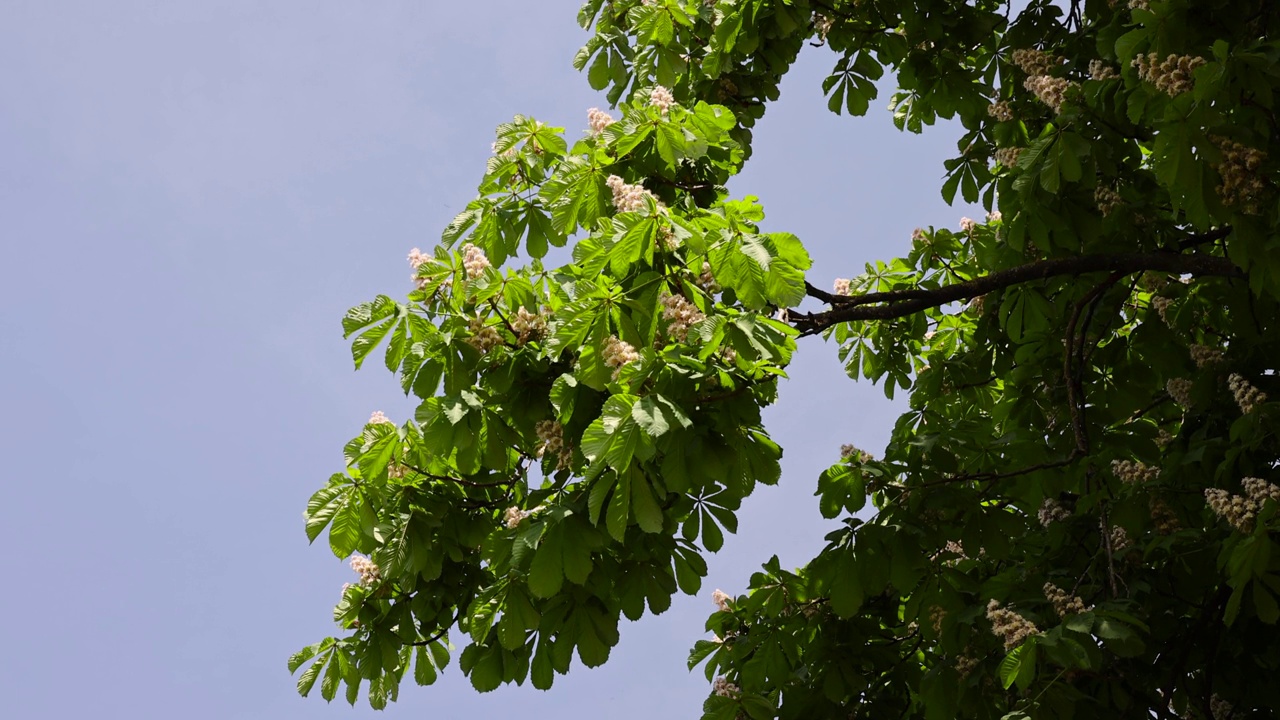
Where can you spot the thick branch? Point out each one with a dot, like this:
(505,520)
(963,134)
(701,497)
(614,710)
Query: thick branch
(901,303)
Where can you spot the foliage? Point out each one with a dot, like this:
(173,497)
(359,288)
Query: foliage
(1078,513)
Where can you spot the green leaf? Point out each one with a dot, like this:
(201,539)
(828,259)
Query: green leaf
(297,659)
(648,414)
(1265,604)
(619,511)
(1011,666)
(366,314)
(323,504)
(344,532)
(702,650)
(546,574)
(541,673)
(648,513)
(365,344)
(424,671)
(308,679)
(332,676)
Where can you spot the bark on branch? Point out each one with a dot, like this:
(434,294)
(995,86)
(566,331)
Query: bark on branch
(901,303)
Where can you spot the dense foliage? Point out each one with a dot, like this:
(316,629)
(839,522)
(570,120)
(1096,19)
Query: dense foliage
(1077,515)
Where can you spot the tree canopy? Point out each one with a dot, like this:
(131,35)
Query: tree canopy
(1077,515)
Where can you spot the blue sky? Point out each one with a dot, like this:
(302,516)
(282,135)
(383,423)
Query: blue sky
(191,196)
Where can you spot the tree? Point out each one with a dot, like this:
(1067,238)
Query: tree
(1078,513)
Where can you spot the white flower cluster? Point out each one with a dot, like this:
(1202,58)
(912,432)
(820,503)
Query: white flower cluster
(618,353)
(1134,473)
(1204,356)
(598,120)
(529,326)
(851,453)
(965,665)
(1260,490)
(483,337)
(396,471)
(368,570)
(1064,603)
(721,600)
(724,688)
(417,258)
(551,434)
(1180,390)
(628,198)
(1106,199)
(1099,70)
(1163,437)
(841,286)
(1242,184)
(1049,90)
(1152,281)
(1163,517)
(661,98)
(681,315)
(1161,304)
(1000,111)
(1035,62)
(936,615)
(706,280)
(667,238)
(1119,540)
(1008,157)
(1172,76)
(474,260)
(1009,625)
(822,24)
(1238,510)
(1051,511)
(994,216)
(379,417)
(513,517)
(967,225)
(1247,396)
(1139,4)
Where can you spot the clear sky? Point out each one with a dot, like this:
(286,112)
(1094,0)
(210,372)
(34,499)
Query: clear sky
(191,196)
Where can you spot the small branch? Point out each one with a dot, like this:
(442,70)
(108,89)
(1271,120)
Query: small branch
(992,477)
(901,303)
(1074,375)
(438,635)
(460,481)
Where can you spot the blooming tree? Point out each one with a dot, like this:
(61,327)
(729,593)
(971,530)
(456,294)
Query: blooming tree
(1077,516)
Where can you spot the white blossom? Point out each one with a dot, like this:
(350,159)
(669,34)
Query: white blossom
(1009,625)
(598,120)
(474,260)
(661,98)
(618,353)
(626,197)
(368,570)
(513,516)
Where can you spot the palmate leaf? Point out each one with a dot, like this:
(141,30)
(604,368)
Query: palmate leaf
(325,503)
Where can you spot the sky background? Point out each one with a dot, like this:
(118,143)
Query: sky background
(191,196)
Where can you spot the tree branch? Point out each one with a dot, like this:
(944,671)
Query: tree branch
(901,303)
